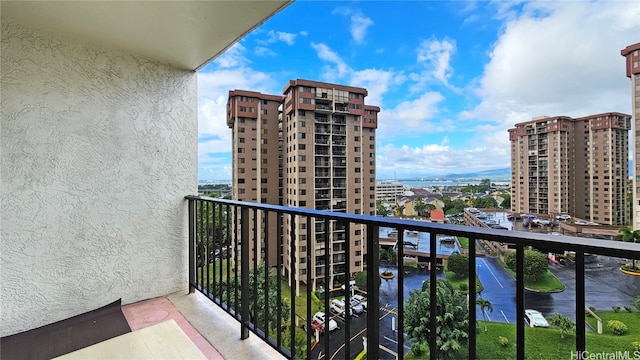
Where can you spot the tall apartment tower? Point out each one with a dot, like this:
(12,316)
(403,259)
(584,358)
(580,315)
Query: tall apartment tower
(254,119)
(576,166)
(632,56)
(324,138)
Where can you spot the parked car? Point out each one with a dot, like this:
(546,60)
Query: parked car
(356,307)
(320,318)
(563,217)
(360,300)
(339,307)
(535,318)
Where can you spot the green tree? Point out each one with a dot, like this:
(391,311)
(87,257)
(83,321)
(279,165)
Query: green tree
(506,201)
(361,280)
(381,210)
(485,185)
(536,264)
(258,315)
(452,206)
(484,306)
(459,264)
(398,210)
(627,234)
(420,206)
(452,319)
(485,202)
(562,322)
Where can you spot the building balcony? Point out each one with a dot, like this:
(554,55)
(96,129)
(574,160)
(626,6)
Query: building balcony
(229,298)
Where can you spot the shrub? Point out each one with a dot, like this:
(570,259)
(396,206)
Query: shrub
(616,308)
(628,309)
(417,349)
(617,327)
(459,264)
(503,341)
(635,346)
(464,287)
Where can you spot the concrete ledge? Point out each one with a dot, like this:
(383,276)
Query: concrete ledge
(220,329)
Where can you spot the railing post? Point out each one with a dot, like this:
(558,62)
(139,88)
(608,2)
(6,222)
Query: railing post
(520,302)
(192,246)
(244,273)
(433,304)
(580,304)
(373,293)
(472,298)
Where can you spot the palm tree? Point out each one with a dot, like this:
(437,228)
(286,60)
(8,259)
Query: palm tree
(627,234)
(484,306)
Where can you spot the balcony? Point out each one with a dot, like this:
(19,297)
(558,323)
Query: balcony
(212,282)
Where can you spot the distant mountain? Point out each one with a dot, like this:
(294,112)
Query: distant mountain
(494,174)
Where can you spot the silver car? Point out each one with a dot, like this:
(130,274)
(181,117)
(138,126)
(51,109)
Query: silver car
(535,318)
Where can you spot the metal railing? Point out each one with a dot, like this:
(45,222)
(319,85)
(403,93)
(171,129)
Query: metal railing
(229,241)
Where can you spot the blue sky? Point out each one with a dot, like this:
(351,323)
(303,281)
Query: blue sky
(450,77)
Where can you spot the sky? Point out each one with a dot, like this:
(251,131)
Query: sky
(450,77)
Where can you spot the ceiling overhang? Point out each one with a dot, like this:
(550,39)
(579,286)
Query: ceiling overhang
(184,34)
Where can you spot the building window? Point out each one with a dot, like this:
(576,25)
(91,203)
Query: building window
(356,138)
(241,140)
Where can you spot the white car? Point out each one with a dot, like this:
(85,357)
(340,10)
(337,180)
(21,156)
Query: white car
(563,217)
(356,307)
(359,299)
(339,307)
(535,318)
(320,318)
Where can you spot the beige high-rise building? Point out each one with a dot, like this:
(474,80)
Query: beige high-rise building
(632,56)
(317,151)
(255,122)
(576,166)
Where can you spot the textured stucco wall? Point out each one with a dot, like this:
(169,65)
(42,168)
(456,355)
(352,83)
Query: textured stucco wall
(98,149)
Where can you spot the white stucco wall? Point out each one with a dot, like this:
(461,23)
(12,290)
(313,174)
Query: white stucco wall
(98,150)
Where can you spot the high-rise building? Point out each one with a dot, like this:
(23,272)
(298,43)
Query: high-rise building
(314,148)
(576,166)
(255,122)
(632,55)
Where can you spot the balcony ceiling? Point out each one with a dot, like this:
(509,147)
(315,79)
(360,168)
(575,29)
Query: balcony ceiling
(185,34)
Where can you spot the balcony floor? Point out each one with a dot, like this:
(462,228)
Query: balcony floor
(203,322)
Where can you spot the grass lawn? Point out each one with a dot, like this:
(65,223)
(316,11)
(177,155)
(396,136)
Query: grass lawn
(541,343)
(631,319)
(301,301)
(548,283)
(456,282)
(464,242)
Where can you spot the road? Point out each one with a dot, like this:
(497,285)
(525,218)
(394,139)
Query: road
(499,288)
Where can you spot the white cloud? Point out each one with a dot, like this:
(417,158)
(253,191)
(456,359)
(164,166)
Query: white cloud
(432,159)
(264,51)
(359,23)
(559,58)
(233,57)
(328,55)
(434,56)
(412,117)
(275,36)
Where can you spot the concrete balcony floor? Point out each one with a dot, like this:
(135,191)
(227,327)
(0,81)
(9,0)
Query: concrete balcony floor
(210,328)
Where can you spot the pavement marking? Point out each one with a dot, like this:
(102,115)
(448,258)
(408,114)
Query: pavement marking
(487,314)
(494,275)
(505,316)
(395,342)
